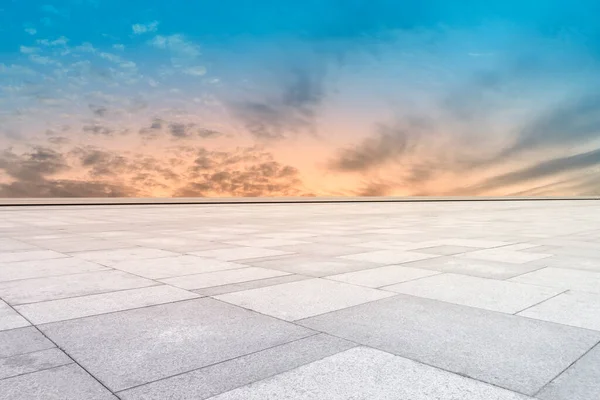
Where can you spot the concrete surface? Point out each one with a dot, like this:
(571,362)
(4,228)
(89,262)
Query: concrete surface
(333,300)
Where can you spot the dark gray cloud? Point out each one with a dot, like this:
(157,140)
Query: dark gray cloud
(177,130)
(98,129)
(98,111)
(541,170)
(37,164)
(293,110)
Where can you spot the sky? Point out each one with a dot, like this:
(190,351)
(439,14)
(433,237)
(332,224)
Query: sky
(182,98)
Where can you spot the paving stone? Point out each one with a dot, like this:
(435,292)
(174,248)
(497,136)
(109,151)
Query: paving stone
(321,249)
(134,347)
(446,250)
(382,276)
(167,267)
(8,245)
(508,256)
(42,268)
(568,262)
(579,382)
(79,244)
(84,306)
(509,351)
(296,300)
(489,294)
(8,257)
(218,278)
(570,308)
(9,318)
(363,373)
(31,362)
(68,382)
(584,281)
(238,287)
(22,340)
(206,382)
(239,253)
(271,242)
(480,268)
(315,266)
(110,257)
(58,287)
(388,256)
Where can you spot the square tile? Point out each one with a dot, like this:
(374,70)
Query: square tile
(579,382)
(9,318)
(509,351)
(489,294)
(68,382)
(206,382)
(59,287)
(42,268)
(570,308)
(84,306)
(297,300)
(363,373)
(210,279)
(382,276)
(388,256)
(480,268)
(238,287)
(31,362)
(239,253)
(21,341)
(584,281)
(134,347)
(167,267)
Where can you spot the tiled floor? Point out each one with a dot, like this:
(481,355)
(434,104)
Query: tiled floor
(494,300)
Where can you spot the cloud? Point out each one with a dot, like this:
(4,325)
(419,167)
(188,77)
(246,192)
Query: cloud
(139,29)
(98,111)
(177,44)
(28,50)
(98,129)
(30,30)
(195,71)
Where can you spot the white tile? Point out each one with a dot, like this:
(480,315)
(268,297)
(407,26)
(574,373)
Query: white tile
(388,256)
(166,267)
(381,276)
(110,257)
(29,255)
(302,299)
(9,318)
(570,308)
(41,268)
(239,253)
(574,279)
(210,279)
(365,373)
(501,255)
(273,242)
(489,294)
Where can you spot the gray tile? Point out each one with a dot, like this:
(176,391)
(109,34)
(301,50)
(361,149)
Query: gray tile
(29,255)
(239,253)
(58,287)
(31,362)
(569,262)
(167,267)
(584,281)
(388,256)
(84,306)
(315,266)
(219,378)
(480,268)
(43,268)
(382,276)
(363,373)
(509,351)
(489,294)
(9,318)
(68,382)
(22,340)
(219,278)
(570,308)
(296,300)
(579,382)
(134,347)
(238,287)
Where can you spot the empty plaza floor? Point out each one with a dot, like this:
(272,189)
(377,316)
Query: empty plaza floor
(465,300)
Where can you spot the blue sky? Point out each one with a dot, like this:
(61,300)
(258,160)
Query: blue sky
(330,97)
